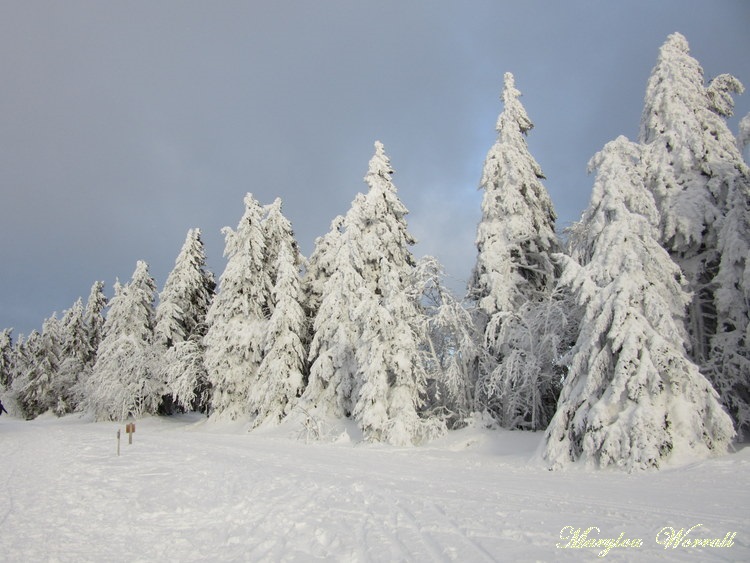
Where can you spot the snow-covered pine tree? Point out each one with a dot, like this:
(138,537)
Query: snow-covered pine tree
(700,181)
(335,334)
(236,318)
(181,326)
(729,363)
(28,364)
(124,381)
(93,327)
(365,352)
(515,240)
(279,233)
(72,369)
(390,376)
(743,135)
(35,384)
(6,359)
(281,373)
(632,398)
(187,294)
(692,158)
(321,266)
(93,317)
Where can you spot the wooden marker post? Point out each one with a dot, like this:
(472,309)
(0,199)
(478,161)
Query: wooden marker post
(130,429)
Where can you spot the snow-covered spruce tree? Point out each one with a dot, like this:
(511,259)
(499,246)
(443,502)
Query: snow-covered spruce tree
(125,379)
(28,372)
(34,386)
(93,328)
(451,347)
(181,326)
(321,266)
(515,241)
(279,233)
(336,336)
(365,352)
(236,318)
(281,375)
(281,378)
(692,159)
(6,359)
(93,317)
(187,294)
(743,135)
(632,397)
(728,366)
(73,367)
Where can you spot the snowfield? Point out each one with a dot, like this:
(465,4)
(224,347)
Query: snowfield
(192,490)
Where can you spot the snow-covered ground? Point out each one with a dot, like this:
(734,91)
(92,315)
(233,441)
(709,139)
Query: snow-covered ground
(188,490)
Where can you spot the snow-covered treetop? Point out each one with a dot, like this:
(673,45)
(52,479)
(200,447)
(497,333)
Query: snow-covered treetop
(245,285)
(517,230)
(743,137)
(720,91)
(618,195)
(379,167)
(513,120)
(676,77)
(690,146)
(131,308)
(376,221)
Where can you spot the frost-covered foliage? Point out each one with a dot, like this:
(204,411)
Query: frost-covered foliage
(37,361)
(696,172)
(74,365)
(516,234)
(93,317)
(125,379)
(515,240)
(186,296)
(365,353)
(691,160)
(30,383)
(181,318)
(47,365)
(729,363)
(632,397)
(321,266)
(236,318)
(185,376)
(6,358)
(743,136)
(336,335)
(279,233)
(280,375)
(523,388)
(451,346)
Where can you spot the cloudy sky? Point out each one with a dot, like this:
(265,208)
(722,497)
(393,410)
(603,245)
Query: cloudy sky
(124,124)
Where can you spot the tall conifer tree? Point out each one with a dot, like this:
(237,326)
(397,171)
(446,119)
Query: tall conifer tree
(236,318)
(365,352)
(632,398)
(692,159)
(515,241)
(181,326)
(125,379)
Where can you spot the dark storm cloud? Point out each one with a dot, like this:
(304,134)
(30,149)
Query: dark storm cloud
(122,125)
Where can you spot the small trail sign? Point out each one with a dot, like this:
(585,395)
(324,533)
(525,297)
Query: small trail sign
(130,429)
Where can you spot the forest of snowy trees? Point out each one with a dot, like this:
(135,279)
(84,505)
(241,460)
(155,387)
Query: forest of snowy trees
(624,339)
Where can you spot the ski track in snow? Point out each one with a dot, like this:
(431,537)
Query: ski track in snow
(191,491)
